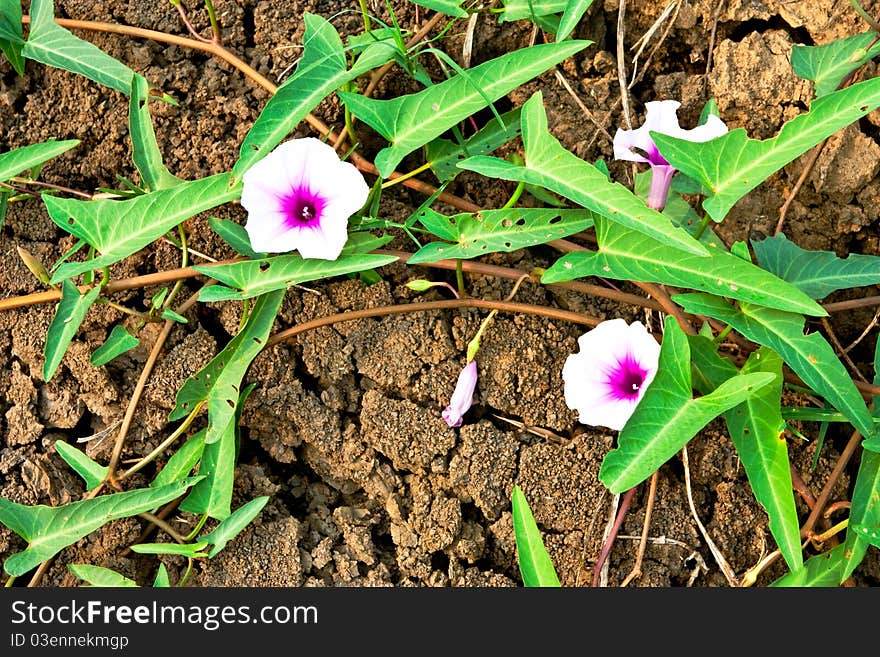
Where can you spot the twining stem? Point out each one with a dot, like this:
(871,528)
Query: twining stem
(636,571)
(450,304)
(615,529)
(815,513)
(165,443)
(164,526)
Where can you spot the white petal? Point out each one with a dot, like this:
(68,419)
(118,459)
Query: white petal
(324,241)
(712,128)
(660,116)
(264,229)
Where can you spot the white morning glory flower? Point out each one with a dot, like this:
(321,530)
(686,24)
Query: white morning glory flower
(608,377)
(462,396)
(638,146)
(300,196)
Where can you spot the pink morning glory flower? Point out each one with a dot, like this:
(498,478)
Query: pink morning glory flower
(608,377)
(462,396)
(638,146)
(299,197)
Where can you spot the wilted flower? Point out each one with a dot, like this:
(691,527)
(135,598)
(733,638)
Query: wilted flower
(638,146)
(462,396)
(607,378)
(300,196)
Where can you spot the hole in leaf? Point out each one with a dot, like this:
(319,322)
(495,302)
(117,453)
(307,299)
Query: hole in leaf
(555,220)
(70,221)
(231,403)
(258,341)
(521,221)
(507,245)
(507,223)
(264,267)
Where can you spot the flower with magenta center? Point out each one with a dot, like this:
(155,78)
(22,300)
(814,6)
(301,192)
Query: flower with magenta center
(638,145)
(300,196)
(608,377)
(462,396)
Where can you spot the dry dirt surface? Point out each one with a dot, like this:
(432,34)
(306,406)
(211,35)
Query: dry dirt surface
(367,484)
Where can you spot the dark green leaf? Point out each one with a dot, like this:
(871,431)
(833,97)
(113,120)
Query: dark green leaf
(820,571)
(69,315)
(48,529)
(816,273)
(230,527)
(145,150)
(118,342)
(828,64)
(181,463)
(235,236)
(21,159)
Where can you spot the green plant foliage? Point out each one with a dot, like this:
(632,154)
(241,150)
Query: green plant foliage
(827,65)
(574,11)
(448,7)
(189,550)
(810,356)
(816,273)
(755,427)
(552,167)
(48,529)
(11,37)
(49,43)
(235,236)
(145,150)
(162,581)
(252,278)
(668,416)
(117,343)
(99,576)
(213,495)
(733,165)
(535,565)
(117,229)
(444,155)
(219,382)
(232,526)
(69,315)
(92,473)
(321,71)
(625,254)
(413,120)
(515,10)
(470,235)
(181,463)
(870,534)
(819,571)
(22,159)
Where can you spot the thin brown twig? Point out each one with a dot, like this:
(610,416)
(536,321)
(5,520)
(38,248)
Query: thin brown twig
(451,304)
(612,534)
(808,167)
(816,512)
(636,571)
(839,347)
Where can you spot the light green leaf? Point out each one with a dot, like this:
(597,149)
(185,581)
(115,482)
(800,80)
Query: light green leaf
(535,565)
(828,64)
(145,150)
(574,11)
(865,509)
(515,10)
(491,231)
(733,165)
(234,235)
(668,416)
(870,534)
(321,71)
(252,278)
(48,529)
(448,7)
(191,550)
(820,571)
(444,155)
(627,255)
(118,342)
(92,473)
(231,526)
(413,120)
(49,43)
(551,166)
(219,382)
(755,427)
(21,159)
(816,273)
(99,576)
(116,229)
(181,463)
(69,315)
(167,313)
(162,581)
(810,356)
